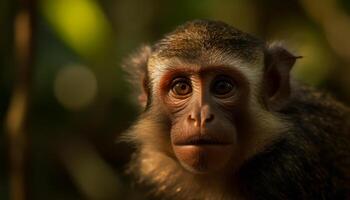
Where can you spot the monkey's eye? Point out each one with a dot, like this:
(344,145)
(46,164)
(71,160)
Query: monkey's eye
(181,87)
(223,87)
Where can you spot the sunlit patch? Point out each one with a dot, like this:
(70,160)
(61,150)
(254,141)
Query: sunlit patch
(75,87)
(80,23)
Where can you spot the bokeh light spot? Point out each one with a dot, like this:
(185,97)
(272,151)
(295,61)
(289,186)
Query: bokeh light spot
(75,87)
(80,23)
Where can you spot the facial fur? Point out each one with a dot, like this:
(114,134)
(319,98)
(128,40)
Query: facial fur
(212,99)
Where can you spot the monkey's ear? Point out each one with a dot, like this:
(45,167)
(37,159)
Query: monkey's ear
(136,68)
(278,64)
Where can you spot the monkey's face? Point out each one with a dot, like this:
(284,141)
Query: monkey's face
(204,106)
(211,94)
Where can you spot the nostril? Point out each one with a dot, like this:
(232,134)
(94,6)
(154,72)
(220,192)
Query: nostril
(194,119)
(210,118)
(191,118)
(207,120)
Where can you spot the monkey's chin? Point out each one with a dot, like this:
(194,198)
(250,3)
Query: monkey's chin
(202,159)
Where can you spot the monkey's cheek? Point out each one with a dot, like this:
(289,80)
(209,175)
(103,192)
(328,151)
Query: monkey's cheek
(203,158)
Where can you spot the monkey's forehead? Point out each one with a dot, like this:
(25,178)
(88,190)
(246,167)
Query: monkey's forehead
(252,70)
(190,40)
(209,58)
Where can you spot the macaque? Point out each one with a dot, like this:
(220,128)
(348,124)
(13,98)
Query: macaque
(223,119)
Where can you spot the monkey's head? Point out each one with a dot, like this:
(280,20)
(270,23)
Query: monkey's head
(210,94)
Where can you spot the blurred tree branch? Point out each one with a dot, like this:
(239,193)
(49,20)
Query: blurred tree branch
(336,24)
(17,111)
(334,21)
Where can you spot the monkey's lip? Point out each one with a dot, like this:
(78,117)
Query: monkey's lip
(201,140)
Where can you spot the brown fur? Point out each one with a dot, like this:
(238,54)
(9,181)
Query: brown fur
(300,120)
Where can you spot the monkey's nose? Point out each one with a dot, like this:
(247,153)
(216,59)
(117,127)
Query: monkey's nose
(206,115)
(201,117)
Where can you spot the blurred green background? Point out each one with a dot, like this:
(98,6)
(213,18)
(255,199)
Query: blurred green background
(79,102)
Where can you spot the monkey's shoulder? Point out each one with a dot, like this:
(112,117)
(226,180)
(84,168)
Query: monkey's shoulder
(318,109)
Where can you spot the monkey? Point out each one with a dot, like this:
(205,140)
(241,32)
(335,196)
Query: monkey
(222,119)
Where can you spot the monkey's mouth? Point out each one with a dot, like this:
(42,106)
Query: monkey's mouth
(201,141)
